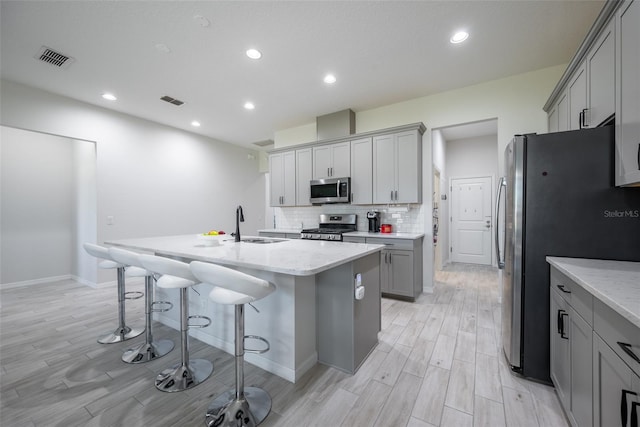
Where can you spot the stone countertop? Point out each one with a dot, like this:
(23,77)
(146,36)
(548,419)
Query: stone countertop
(288,256)
(410,236)
(615,283)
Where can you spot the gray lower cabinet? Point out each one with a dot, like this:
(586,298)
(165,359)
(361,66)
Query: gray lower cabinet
(571,347)
(400,265)
(616,369)
(595,358)
(616,388)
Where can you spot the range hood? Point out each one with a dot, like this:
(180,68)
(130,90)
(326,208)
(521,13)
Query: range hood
(336,125)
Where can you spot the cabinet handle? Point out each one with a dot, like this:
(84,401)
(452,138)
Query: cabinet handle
(583,118)
(634,414)
(391,197)
(559,321)
(562,335)
(561,287)
(396,195)
(638,156)
(627,349)
(580,119)
(623,406)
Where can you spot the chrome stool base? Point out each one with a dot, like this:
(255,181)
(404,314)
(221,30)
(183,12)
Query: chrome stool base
(120,334)
(180,377)
(146,352)
(227,410)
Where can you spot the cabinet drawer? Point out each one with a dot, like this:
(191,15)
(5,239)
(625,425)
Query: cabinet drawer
(404,244)
(616,330)
(574,294)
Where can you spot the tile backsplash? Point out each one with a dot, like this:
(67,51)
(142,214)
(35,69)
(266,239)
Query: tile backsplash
(404,218)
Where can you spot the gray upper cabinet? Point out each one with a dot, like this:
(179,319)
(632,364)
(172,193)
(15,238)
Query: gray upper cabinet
(578,98)
(397,168)
(303,176)
(332,160)
(361,172)
(282,168)
(601,74)
(563,112)
(628,93)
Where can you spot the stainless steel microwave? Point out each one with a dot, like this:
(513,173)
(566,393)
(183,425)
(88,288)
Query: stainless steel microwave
(330,190)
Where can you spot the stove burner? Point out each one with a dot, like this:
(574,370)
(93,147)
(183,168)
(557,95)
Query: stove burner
(331,228)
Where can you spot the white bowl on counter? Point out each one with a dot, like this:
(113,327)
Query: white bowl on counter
(208,240)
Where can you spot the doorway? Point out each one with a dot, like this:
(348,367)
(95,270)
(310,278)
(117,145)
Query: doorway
(48,207)
(471,220)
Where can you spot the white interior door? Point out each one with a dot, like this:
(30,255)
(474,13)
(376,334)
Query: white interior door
(471,220)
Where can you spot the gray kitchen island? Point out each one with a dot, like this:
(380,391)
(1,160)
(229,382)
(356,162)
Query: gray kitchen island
(312,317)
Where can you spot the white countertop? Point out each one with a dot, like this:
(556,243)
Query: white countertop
(615,283)
(410,236)
(289,256)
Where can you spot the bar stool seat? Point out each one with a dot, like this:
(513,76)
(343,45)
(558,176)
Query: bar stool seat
(148,350)
(188,373)
(122,332)
(243,406)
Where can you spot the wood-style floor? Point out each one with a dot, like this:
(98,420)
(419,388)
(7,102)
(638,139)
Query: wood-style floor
(438,363)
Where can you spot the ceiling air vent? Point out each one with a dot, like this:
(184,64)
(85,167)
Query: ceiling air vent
(171,100)
(54,58)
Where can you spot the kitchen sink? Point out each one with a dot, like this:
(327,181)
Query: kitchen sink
(261,241)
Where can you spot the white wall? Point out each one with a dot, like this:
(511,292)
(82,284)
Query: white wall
(153,179)
(470,157)
(516,102)
(36,230)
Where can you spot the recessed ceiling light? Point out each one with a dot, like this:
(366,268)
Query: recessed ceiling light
(254,54)
(329,78)
(249,105)
(109,96)
(195,123)
(459,37)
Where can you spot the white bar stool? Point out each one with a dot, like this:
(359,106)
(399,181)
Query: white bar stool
(148,350)
(187,373)
(123,332)
(242,406)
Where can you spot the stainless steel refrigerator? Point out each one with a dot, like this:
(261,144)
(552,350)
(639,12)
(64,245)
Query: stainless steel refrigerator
(559,200)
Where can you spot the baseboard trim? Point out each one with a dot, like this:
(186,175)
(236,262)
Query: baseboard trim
(36,281)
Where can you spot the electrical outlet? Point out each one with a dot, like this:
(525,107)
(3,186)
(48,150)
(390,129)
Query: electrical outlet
(109,219)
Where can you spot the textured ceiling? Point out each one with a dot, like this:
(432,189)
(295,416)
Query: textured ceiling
(380,51)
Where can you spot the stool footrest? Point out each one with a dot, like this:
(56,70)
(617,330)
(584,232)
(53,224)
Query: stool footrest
(255,350)
(133,295)
(203,325)
(161,310)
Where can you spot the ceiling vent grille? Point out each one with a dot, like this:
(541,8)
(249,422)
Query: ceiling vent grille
(171,100)
(54,58)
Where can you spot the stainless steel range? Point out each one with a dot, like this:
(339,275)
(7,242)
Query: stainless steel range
(331,227)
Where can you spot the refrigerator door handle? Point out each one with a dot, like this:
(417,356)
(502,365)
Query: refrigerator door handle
(502,183)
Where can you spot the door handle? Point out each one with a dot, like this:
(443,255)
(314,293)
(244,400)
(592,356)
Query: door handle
(623,406)
(501,184)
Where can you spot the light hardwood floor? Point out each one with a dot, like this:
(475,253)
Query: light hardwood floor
(438,363)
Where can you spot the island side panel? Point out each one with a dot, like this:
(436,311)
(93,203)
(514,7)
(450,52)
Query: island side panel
(347,330)
(276,322)
(367,312)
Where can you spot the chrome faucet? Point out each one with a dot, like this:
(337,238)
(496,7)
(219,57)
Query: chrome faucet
(239,219)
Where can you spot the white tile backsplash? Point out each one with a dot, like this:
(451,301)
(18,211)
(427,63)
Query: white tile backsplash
(404,218)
